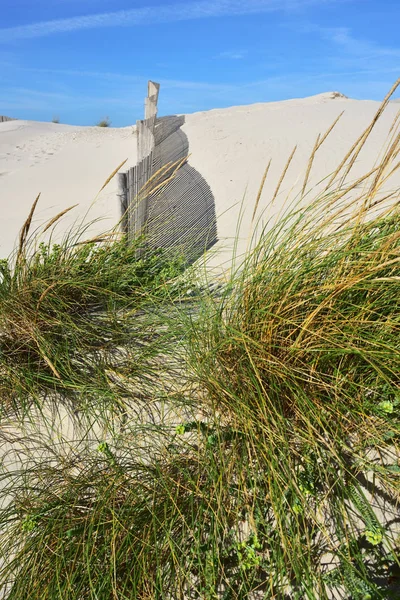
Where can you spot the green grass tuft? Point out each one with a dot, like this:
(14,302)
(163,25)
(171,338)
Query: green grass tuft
(251,443)
(104,122)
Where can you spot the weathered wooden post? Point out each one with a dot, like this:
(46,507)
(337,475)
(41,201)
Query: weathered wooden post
(150,105)
(145,129)
(123,200)
(144,170)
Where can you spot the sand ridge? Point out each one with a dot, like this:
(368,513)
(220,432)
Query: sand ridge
(229,147)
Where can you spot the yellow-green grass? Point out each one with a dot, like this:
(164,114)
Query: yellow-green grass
(283,481)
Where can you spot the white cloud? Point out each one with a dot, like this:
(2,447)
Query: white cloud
(21,98)
(352,47)
(136,80)
(180,96)
(155,14)
(233,54)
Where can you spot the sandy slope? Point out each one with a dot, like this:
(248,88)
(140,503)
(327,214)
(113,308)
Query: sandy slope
(229,147)
(67,165)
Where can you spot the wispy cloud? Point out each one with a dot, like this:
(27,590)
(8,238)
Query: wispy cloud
(106,75)
(124,78)
(181,96)
(343,37)
(21,98)
(233,54)
(155,14)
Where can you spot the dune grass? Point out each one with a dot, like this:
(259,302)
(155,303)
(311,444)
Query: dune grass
(69,314)
(302,359)
(266,463)
(104,122)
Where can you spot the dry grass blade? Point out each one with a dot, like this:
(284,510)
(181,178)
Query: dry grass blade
(317,146)
(397,118)
(386,197)
(104,237)
(330,129)
(44,294)
(330,218)
(152,186)
(283,174)
(388,176)
(107,181)
(50,365)
(57,217)
(310,163)
(359,143)
(367,132)
(260,191)
(25,229)
(390,156)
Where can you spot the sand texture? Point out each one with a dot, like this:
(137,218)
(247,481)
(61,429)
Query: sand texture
(230,148)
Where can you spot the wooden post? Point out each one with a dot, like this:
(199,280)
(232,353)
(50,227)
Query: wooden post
(142,206)
(130,189)
(131,199)
(150,106)
(145,129)
(123,200)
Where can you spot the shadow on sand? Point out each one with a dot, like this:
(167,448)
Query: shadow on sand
(182,214)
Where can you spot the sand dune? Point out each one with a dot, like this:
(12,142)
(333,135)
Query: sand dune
(229,147)
(67,165)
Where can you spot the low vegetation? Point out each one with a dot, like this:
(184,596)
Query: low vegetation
(104,122)
(243,444)
(66,309)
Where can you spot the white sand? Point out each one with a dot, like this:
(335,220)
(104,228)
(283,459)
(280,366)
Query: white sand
(229,147)
(67,165)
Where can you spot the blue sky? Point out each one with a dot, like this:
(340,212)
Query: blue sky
(82,60)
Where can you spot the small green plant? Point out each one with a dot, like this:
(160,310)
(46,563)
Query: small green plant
(374,536)
(247,552)
(386,407)
(104,122)
(55,119)
(29,523)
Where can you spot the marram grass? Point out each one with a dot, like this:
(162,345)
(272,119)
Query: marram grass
(69,323)
(302,358)
(282,481)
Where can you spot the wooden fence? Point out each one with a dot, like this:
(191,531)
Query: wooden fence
(164,197)
(4,119)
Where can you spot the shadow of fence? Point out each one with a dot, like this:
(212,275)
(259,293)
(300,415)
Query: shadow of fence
(163,196)
(183,215)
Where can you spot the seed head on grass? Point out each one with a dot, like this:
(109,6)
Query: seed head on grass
(301,355)
(273,485)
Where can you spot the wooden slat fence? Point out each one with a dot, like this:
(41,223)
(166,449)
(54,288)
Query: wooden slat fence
(4,119)
(163,196)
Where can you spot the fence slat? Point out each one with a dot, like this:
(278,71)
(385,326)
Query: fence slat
(177,212)
(123,200)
